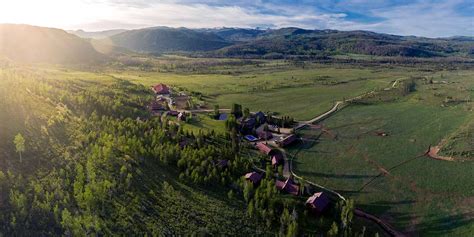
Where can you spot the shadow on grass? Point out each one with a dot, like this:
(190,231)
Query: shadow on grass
(445,225)
(428,225)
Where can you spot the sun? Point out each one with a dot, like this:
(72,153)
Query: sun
(51,13)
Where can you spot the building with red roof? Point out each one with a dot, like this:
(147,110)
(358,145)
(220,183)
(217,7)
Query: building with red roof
(318,202)
(286,140)
(288,186)
(262,147)
(161,89)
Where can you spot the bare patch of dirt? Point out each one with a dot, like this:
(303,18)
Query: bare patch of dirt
(433,153)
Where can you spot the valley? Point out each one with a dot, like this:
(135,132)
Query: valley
(230,131)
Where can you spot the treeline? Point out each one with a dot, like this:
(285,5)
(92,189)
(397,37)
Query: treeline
(99,145)
(96,163)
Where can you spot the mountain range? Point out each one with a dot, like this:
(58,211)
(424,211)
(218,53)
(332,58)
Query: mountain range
(291,41)
(38,44)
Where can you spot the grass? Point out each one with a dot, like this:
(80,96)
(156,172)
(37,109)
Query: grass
(204,122)
(310,91)
(421,196)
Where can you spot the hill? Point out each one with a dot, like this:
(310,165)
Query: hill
(295,41)
(164,39)
(96,34)
(72,180)
(32,44)
(284,42)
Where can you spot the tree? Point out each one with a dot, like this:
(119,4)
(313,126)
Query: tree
(230,194)
(246,112)
(236,110)
(19,144)
(334,230)
(216,112)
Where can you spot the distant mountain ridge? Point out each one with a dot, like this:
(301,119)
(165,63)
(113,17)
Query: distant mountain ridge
(239,42)
(96,34)
(32,44)
(165,39)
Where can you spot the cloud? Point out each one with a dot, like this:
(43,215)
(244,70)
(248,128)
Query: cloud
(199,15)
(425,18)
(405,17)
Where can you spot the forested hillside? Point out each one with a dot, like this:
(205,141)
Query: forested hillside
(90,167)
(80,155)
(31,44)
(164,39)
(294,41)
(286,42)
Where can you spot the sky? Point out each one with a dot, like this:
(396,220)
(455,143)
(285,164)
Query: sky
(430,18)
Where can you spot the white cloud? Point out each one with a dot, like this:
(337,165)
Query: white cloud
(419,18)
(426,19)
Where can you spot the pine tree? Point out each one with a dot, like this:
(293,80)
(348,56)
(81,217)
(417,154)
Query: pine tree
(19,144)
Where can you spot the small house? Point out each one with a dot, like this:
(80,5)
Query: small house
(288,186)
(318,203)
(277,159)
(262,147)
(253,177)
(286,140)
(161,89)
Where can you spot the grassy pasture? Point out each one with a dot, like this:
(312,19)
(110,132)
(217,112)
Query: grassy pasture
(297,92)
(420,196)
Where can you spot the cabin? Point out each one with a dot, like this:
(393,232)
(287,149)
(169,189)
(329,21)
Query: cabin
(253,177)
(161,89)
(286,140)
(318,203)
(265,135)
(277,159)
(288,186)
(265,149)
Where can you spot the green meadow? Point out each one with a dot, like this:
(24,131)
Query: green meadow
(388,175)
(414,193)
(291,91)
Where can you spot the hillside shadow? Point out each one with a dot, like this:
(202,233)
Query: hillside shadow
(445,225)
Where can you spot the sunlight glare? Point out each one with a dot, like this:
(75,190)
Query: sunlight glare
(55,13)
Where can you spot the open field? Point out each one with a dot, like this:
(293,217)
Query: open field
(413,192)
(420,196)
(310,90)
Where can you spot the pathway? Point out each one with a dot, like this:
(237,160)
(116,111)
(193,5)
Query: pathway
(288,167)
